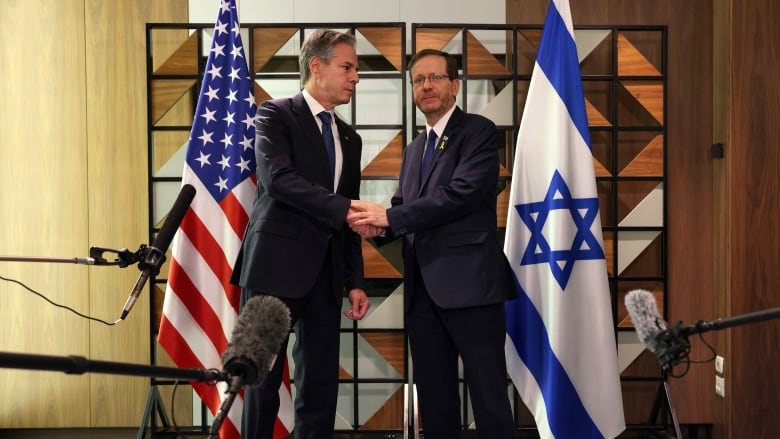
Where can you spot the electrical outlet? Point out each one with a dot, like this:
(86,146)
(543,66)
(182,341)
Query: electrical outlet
(720,386)
(719,365)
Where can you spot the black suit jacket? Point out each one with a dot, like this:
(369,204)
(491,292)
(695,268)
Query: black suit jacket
(297,218)
(447,218)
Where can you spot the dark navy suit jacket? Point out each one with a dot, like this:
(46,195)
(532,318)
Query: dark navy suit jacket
(447,218)
(297,217)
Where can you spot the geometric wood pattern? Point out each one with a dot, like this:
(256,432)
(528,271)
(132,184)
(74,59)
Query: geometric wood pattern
(376,266)
(480,60)
(165,93)
(184,61)
(533,36)
(387,163)
(599,169)
(386,41)
(650,94)
(390,345)
(433,38)
(595,118)
(259,93)
(649,162)
(267,42)
(390,415)
(631,62)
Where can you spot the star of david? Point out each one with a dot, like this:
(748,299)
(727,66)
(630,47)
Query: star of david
(584,246)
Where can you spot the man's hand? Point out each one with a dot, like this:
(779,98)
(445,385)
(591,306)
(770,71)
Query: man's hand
(366,213)
(367,231)
(360,304)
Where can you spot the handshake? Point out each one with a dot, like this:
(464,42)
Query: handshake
(367,219)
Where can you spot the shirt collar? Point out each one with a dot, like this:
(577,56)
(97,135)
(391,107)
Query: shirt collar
(441,124)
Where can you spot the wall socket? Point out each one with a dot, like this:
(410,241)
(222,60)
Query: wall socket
(720,386)
(719,365)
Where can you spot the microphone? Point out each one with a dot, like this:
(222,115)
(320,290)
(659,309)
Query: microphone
(261,327)
(670,346)
(648,323)
(155,255)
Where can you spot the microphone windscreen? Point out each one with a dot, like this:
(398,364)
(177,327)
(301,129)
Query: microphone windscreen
(643,310)
(260,329)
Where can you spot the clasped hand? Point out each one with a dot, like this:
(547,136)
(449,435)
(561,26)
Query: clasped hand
(367,219)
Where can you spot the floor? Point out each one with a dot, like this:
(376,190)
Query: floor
(133,433)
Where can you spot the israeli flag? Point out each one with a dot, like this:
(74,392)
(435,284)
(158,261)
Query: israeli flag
(560,345)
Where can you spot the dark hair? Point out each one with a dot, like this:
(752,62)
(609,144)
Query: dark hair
(452,63)
(320,44)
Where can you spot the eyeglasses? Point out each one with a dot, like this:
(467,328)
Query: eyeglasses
(433,78)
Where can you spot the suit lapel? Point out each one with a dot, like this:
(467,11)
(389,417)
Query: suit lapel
(412,179)
(440,148)
(313,135)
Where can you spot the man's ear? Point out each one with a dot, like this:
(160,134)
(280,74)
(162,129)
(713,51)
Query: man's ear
(314,65)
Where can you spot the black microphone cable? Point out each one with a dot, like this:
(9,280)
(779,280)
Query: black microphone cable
(42,296)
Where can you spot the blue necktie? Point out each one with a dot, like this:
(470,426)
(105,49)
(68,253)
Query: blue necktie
(428,154)
(327,136)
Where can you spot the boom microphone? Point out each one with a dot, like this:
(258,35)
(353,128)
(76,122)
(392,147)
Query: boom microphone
(670,345)
(261,328)
(150,265)
(644,313)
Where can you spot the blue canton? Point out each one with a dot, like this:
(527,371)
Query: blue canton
(221,146)
(584,245)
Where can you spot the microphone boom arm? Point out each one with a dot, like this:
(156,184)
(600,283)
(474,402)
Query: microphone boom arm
(673,345)
(77,365)
(728,322)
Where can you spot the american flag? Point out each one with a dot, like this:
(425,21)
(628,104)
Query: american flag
(201,306)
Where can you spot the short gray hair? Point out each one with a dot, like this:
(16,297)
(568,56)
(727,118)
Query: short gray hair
(320,44)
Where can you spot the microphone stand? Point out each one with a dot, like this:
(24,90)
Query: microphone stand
(673,345)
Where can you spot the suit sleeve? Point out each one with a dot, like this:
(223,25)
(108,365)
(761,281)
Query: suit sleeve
(473,177)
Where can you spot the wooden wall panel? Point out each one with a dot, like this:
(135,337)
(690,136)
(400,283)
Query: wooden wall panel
(116,49)
(73,175)
(43,200)
(721,198)
(752,162)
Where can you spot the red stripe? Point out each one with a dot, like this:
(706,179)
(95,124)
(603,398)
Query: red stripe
(196,304)
(280,431)
(173,343)
(211,251)
(234,213)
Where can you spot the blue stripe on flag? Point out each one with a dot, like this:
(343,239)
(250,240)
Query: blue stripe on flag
(558,59)
(566,415)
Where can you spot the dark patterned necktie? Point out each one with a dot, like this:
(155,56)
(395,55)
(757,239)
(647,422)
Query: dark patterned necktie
(428,154)
(327,136)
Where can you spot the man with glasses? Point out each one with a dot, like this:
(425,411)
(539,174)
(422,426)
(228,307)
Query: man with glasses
(456,274)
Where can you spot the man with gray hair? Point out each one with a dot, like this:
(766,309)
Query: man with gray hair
(297,246)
